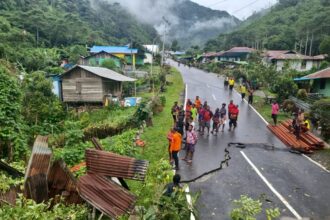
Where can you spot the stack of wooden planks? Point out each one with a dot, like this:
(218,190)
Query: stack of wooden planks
(307,142)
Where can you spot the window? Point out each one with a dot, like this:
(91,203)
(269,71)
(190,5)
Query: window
(322,83)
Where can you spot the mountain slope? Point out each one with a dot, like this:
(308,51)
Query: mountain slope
(288,25)
(66,22)
(190,23)
(197,23)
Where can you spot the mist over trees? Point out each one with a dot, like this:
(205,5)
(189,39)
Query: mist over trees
(290,25)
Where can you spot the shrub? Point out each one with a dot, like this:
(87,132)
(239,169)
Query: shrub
(302,94)
(321,113)
(284,87)
(288,105)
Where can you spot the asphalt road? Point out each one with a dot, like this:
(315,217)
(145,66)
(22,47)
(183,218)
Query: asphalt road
(279,178)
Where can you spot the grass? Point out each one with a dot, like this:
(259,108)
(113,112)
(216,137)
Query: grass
(155,150)
(266,110)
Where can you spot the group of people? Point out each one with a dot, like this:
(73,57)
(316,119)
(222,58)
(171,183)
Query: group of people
(185,130)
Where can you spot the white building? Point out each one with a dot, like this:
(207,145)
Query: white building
(291,59)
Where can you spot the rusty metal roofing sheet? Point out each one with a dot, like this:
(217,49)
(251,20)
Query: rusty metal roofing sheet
(36,186)
(105,195)
(114,165)
(62,182)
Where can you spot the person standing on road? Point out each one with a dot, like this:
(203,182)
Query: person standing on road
(233,118)
(275,110)
(230,107)
(250,91)
(190,144)
(198,103)
(188,105)
(200,119)
(223,116)
(194,112)
(243,91)
(226,82)
(169,138)
(216,122)
(207,116)
(231,84)
(175,147)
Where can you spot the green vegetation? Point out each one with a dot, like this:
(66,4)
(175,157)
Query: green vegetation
(247,208)
(286,26)
(321,112)
(27,209)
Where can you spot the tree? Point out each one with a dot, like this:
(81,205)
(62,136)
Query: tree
(41,108)
(325,46)
(175,45)
(110,64)
(321,112)
(12,141)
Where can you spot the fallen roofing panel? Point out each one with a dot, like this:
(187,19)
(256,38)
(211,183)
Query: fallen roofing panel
(62,182)
(10,170)
(37,170)
(114,165)
(105,195)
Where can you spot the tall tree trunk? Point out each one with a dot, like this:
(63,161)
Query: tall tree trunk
(306,45)
(311,45)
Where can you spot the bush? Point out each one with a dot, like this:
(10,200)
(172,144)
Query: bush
(321,113)
(284,87)
(302,94)
(288,105)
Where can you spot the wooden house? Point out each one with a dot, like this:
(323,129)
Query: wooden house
(319,82)
(87,84)
(130,55)
(97,59)
(293,60)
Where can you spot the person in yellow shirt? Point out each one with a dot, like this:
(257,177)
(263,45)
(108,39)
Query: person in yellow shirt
(175,146)
(243,91)
(231,83)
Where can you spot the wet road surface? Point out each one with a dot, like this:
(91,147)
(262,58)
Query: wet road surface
(280,178)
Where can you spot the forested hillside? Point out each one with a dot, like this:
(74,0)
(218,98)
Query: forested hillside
(302,25)
(29,27)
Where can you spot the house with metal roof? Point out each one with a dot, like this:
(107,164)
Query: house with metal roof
(97,59)
(130,55)
(88,84)
(319,82)
(235,54)
(294,60)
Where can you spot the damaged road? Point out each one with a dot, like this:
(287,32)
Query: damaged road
(289,181)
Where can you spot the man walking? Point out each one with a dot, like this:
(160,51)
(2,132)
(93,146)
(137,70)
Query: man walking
(207,116)
(250,91)
(174,112)
(233,117)
(243,91)
(231,84)
(223,113)
(175,147)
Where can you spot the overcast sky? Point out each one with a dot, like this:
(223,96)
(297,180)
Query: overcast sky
(239,8)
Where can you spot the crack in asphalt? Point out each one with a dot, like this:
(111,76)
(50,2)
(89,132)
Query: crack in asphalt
(206,175)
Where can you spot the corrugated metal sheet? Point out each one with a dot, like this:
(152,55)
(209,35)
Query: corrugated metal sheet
(10,195)
(105,195)
(114,165)
(37,170)
(62,182)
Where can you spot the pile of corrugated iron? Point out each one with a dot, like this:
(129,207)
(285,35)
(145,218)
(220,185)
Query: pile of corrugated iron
(99,188)
(306,143)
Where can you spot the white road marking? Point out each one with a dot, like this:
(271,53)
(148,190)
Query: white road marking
(316,163)
(270,186)
(185,98)
(188,196)
(214,97)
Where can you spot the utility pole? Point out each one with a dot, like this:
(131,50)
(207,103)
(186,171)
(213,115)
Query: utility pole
(166,22)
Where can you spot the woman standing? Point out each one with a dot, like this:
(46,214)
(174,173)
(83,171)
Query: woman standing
(275,110)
